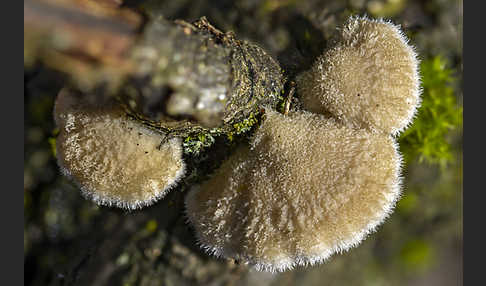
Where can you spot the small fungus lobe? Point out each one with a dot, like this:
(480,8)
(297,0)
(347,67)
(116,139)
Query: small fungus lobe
(116,161)
(370,58)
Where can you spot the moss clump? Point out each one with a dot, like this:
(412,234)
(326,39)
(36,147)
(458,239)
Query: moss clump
(194,144)
(437,117)
(243,126)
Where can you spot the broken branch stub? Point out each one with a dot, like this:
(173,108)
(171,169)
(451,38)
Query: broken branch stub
(177,77)
(200,79)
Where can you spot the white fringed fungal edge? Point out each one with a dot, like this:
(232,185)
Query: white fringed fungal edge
(114,160)
(368,78)
(308,187)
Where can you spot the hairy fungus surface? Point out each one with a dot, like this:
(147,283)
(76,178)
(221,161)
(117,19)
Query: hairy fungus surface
(306,188)
(367,78)
(115,160)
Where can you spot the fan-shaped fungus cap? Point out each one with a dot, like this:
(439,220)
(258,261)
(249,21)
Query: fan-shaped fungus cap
(115,161)
(307,188)
(368,78)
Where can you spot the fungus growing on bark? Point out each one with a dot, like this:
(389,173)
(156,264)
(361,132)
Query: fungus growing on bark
(116,161)
(367,78)
(307,187)
(189,80)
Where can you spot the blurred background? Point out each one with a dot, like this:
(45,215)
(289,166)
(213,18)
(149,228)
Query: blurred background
(71,241)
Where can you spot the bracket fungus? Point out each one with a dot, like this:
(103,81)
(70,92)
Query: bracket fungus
(308,187)
(314,182)
(116,161)
(368,77)
(311,182)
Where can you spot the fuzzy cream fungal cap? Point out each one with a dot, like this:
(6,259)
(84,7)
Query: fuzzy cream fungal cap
(307,188)
(368,78)
(114,160)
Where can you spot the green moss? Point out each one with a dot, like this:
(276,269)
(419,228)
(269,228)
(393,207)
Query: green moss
(243,126)
(194,144)
(281,104)
(197,142)
(439,114)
